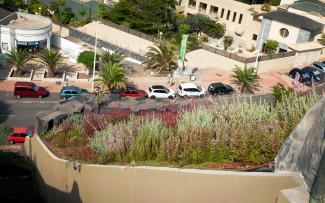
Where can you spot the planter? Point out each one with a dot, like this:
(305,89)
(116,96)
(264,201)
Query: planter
(20,75)
(59,76)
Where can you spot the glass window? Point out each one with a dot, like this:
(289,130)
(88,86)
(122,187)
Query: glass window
(228,14)
(222,12)
(74,92)
(67,92)
(254,37)
(15,135)
(36,87)
(213,10)
(23,135)
(234,17)
(240,18)
(284,32)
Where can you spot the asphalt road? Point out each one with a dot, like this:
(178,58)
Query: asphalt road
(21,112)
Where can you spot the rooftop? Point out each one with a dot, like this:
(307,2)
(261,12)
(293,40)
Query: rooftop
(312,6)
(25,21)
(294,20)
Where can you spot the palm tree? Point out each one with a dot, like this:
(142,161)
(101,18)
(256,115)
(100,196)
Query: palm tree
(101,10)
(82,12)
(114,57)
(160,57)
(247,78)
(112,76)
(17,58)
(50,58)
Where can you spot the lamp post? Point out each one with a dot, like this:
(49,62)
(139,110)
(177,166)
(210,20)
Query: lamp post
(259,47)
(40,10)
(160,34)
(97,92)
(95,52)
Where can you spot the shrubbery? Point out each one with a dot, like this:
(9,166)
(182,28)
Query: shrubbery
(245,133)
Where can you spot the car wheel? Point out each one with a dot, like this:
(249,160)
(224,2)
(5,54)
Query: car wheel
(40,96)
(11,142)
(170,97)
(18,96)
(152,97)
(186,96)
(202,95)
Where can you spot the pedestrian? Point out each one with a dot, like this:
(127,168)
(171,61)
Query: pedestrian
(66,83)
(169,78)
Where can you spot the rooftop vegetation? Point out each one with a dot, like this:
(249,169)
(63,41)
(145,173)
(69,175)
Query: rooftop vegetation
(196,136)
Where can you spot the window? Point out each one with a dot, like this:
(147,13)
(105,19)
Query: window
(228,14)
(284,32)
(192,3)
(203,7)
(5,46)
(240,18)
(234,17)
(254,37)
(67,92)
(74,92)
(161,91)
(214,10)
(15,135)
(222,12)
(23,135)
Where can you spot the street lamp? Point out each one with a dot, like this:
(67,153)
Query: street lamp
(259,47)
(97,92)
(95,52)
(160,34)
(40,10)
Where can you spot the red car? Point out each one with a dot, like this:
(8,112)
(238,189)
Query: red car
(29,89)
(18,135)
(134,93)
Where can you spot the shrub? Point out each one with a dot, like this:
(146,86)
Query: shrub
(279,91)
(271,46)
(86,58)
(266,7)
(227,42)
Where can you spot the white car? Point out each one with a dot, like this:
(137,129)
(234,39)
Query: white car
(191,90)
(161,92)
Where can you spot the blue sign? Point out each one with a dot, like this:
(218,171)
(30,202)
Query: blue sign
(27,43)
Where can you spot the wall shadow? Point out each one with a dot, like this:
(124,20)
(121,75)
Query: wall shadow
(4,111)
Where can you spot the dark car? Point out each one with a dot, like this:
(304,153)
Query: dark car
(293,72)
(71,91)
(316,74)
(304,77)
(29,89)
(134,93)
(219,88)
(319,65)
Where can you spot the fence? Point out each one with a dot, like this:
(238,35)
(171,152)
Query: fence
(244,59)
(101,43)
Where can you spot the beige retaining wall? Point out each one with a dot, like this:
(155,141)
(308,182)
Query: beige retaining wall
(58,182)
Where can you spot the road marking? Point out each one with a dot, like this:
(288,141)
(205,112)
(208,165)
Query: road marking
(10,115)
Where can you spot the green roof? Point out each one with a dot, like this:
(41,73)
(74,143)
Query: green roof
(312,6)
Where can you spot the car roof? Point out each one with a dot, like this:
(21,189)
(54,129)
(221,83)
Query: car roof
(217,84)
(188,85)
(24,84)
(158,87)
(19,130)
(71,88)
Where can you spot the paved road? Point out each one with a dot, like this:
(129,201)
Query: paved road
(14,112)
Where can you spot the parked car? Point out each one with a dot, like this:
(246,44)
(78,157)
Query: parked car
(161,92)
(19,134)
(304,76)
(71,91)
(316,74)
(319,65)
(29,89)
(134,93)
(191,90)
(219,88)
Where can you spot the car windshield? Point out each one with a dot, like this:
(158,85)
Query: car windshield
(305,75)
(36,87)
(316,73)
(200,88)
(167,90)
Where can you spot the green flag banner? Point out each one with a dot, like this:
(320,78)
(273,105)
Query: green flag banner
(182,51)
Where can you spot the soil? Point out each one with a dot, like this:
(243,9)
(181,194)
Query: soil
(21,73)
(57,75)
(83,76)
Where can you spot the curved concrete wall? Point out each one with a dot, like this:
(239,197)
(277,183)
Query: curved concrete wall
(58,182)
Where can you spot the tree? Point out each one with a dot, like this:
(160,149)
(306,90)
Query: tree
(51,58)
(101,10)
(201,23)
(112,76)
(271,46)
(227,42)
(322,39)
(86,58)
(82,12)
(247,78)
(17,58)
(61,4)
(160,57)
(114,57)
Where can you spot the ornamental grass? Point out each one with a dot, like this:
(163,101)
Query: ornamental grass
(240,132)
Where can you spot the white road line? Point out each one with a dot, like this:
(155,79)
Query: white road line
(30,102)
(10,115)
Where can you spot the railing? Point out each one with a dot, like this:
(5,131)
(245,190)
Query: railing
(244,59)
(101,43)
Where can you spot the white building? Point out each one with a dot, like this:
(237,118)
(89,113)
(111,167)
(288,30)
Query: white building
(22,30)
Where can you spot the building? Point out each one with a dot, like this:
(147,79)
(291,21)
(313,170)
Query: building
(288,29)
(22,30)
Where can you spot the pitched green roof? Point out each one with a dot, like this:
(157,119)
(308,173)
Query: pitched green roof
(313,6)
